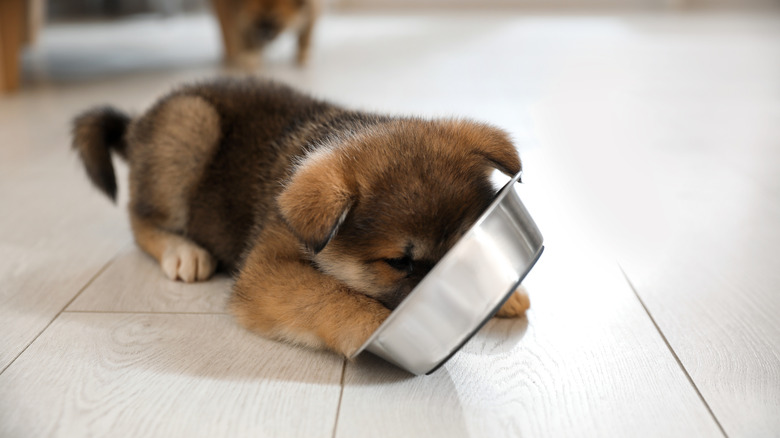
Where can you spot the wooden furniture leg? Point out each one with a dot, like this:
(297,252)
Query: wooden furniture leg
(12,25)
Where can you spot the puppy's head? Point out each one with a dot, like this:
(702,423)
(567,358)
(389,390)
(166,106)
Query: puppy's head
(378,210)
(261,21)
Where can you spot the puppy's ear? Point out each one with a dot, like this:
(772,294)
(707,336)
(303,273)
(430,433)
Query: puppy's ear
(499,152)
(491,144)
(317,199)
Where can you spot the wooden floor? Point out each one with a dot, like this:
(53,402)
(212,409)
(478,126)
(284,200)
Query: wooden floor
(652,153)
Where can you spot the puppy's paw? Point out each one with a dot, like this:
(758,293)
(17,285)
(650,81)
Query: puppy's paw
(361,328)
(516,305)
(188,262)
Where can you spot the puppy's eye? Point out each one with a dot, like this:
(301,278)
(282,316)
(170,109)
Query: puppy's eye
(404,263)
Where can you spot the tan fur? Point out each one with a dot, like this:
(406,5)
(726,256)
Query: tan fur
(490,144)
(178,257)
(317,198)
(185,137)
(281,297)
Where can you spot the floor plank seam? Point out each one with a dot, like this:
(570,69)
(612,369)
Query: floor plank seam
(72,299)
(341,397)
(674,354)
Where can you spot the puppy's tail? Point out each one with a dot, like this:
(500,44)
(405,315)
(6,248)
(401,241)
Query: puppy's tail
(96,133)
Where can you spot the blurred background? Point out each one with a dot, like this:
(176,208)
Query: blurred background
(65,41)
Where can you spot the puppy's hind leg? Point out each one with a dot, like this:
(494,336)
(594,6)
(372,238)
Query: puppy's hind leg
(179,257)
(173,146)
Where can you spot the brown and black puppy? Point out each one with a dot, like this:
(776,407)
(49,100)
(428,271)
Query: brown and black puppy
(328,217)
(249,25)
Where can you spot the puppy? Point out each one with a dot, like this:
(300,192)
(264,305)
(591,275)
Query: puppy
(249,25)
(327,217)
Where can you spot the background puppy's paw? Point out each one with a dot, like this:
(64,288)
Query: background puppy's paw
(516,305)
(187,262)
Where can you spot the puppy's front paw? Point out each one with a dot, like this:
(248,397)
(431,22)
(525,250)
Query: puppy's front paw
(516,305)
(361,328)
(187,262)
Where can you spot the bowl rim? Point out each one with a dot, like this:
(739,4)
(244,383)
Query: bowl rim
(491,313)
(499,197)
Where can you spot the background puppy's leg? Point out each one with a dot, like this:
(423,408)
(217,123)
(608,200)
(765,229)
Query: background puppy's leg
(178,256)
(279,295)
(516,305)
(304,34)
(227,24)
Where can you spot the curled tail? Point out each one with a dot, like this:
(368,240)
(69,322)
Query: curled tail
(96,133)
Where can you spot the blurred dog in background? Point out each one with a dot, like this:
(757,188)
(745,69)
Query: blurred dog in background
(249,25)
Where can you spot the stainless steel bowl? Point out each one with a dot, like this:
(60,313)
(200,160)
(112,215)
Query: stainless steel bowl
(464,290)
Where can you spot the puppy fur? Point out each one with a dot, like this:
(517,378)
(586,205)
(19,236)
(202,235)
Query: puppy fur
(249,25)
(327,217)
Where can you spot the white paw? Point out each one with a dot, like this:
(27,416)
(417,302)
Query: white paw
(187,262)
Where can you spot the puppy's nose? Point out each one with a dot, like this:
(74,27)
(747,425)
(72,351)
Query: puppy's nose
(266,29)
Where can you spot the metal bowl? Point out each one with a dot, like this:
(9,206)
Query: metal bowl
(464,290)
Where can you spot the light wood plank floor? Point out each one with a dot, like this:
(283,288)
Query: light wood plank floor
(651,149)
